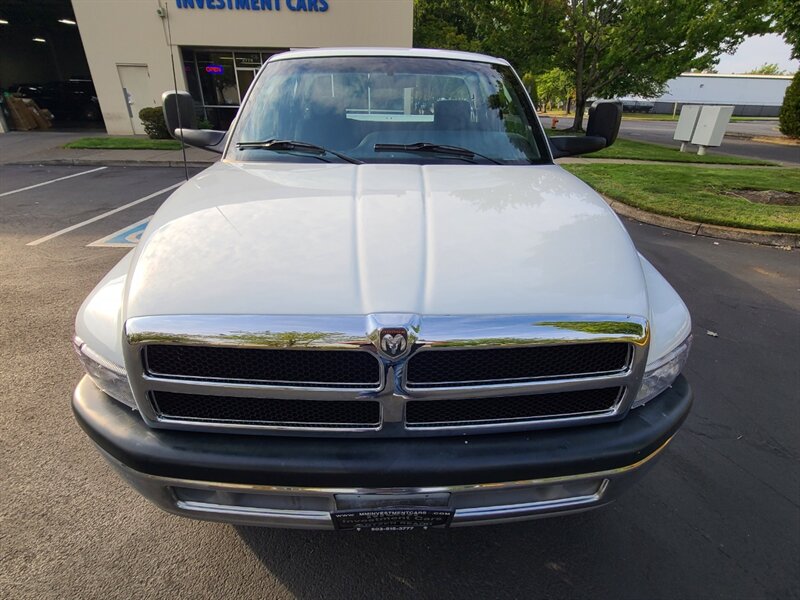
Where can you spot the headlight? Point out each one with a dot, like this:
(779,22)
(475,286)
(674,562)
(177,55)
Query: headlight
(661,375)
(110,378)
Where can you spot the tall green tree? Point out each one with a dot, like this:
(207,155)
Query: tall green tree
(789,117)
(555,86)
(446,24)
(633,47)
(610,48)
(787,22)
(528,33)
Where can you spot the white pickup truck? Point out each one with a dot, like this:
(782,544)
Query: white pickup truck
(384,308)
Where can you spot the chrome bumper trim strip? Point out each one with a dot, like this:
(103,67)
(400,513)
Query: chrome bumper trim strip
(160,491)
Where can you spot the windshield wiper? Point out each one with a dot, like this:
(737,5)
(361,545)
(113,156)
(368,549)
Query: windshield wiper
(295,146)
(435,149)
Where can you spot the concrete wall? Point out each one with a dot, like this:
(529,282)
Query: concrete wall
(130,32)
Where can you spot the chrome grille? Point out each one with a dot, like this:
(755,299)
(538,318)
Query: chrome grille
(459,367)
(268,411)
(507,409)
(309,368)
(302,375)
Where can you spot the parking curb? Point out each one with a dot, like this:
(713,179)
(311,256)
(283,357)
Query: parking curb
(750,236)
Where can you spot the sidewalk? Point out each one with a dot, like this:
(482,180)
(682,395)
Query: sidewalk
(19,147)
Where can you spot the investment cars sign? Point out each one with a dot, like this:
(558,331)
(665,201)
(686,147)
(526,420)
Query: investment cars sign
(256,5)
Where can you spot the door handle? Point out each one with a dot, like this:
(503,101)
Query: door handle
(128,101)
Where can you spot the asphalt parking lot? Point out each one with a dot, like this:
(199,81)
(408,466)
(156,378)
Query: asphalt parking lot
(718,517)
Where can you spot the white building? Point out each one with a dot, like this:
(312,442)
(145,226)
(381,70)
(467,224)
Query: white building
(217,46)
(751,95)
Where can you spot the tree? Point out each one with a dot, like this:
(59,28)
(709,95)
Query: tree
(633,47)
(611,48)
(527,33)
(555,86)
(529,81)
(767,69)
(448,24)
(789,117)
(787,22)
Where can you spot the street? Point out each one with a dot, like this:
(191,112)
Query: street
(718,516)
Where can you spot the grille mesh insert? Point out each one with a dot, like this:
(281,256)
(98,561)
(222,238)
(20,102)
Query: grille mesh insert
(267,411)
(431,413)
(305,367)
(462,367)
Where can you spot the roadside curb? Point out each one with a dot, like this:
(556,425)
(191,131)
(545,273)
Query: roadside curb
(775,140)
(750,236)
(82,162)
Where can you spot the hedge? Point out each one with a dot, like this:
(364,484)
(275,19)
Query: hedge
(153,120)
(790,111)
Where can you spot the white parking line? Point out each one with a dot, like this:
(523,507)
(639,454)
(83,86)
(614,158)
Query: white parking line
(30,187)
(102,216)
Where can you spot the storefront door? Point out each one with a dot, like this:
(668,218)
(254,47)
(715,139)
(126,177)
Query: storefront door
(245,78)
(218,80)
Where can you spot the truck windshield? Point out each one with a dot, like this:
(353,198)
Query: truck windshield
(388,110)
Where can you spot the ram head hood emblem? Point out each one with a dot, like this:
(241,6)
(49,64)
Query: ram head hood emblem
(394,341)
(393,334)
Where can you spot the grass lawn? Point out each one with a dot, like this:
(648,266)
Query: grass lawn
(633,150)
(698,194)
(630,149)
(124,143)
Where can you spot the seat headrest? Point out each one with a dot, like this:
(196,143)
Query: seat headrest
(452,114)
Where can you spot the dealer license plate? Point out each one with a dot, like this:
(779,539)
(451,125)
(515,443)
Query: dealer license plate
(392,519)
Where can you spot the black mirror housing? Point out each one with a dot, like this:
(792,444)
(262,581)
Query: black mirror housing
(178,111)
(573,145)
(208,139)
(605,117)
(181,120)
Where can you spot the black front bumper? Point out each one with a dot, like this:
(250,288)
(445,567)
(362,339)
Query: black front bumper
(378,463)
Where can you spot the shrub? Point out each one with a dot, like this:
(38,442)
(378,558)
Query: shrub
(790,111)
(152,118)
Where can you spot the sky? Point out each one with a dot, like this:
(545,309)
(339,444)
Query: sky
(757,50)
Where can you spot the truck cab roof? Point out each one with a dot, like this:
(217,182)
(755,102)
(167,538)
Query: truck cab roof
(400,52)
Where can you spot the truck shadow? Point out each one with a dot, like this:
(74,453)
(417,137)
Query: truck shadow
(477,562)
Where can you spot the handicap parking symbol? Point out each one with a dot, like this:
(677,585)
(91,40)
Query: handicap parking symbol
(127,237)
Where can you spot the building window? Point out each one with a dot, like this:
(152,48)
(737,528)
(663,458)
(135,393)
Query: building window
(219,79)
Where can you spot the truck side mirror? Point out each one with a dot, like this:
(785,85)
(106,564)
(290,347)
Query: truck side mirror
(181,120)
(179,111)
(605,117)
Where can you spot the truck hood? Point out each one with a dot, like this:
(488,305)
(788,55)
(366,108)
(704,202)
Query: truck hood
(331,239)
